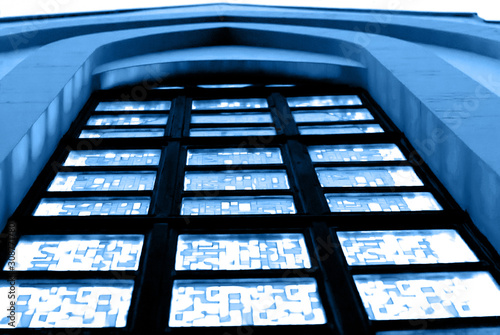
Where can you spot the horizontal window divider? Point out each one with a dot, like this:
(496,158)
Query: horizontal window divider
(251,222)
(337,123)
(379,189)
(236,193)
(129,112)
(234,141)
(236,274)
(106,194)
(242,230)
(366,138)
(419,268)
(69,275)
(446,324)
(117,143)
(361,164)
(324,329)
(230,125)
(293,109)
(218,168)
(110,168)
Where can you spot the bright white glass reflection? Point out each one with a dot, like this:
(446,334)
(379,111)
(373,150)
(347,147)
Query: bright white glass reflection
(128,120)
(234,156)
(355,153)
(324,101)
(331,115)
(234,117)
(78,253)
(429,295)
(404,247)
(92,206)
(225,86)
(279,204)
(103,181)
(382,202)
(147,157)
(240,302)
(340,129)
(122,133)
(231,180)
(229,104)
(110,106)
(235,131)
(368,176)
(241,252)
(69,303)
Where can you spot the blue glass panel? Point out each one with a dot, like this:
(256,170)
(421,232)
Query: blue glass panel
(69,303)
(147,157)
(234,156)
(239,302)
(78,252)
(429,295)
(340,129)
(331,115)
(122,133)
(224,104)
(355,153)
(225,86)
(234,117)
(235,131)
(128,120)
(103,181)
(92,206)
(368,176)
(404,247)
(324,101)
(110,106)
(241,252)
(282,204)
(231,180)
(382,202)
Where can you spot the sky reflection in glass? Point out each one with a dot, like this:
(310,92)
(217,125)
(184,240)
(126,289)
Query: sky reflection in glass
(368,176)
(147,157)
(92,206)
(324,101)
(235,117)
(111,106)
(382,202)
(355,153)
(231,180)
(234,156)
(70,303)
(225,104)
(232,131)
(128,120)
(279,204)
(437,295)
(404,247)
(240,302)
(122,133)
(331,115)
(78,252)
(241,252)
(340,129)
(103,181)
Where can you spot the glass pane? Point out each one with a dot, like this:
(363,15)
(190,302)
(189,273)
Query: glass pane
(429,295)
(238,302)
(356,153)
(404,247)
(230,104)
(128,120)
(241,252)
(234,156)
(327,100)
(382,202)
(101,181)
(368,176)
(332,115)
(148,157)
(69,303)
(122,133)
(110,106)
(236,131)
(340,129)
(226,86)
(92,206)
(236,180)
(78,253)
(282,204)
(248,117)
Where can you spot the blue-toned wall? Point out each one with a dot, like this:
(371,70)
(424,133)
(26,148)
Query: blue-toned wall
(427,71)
